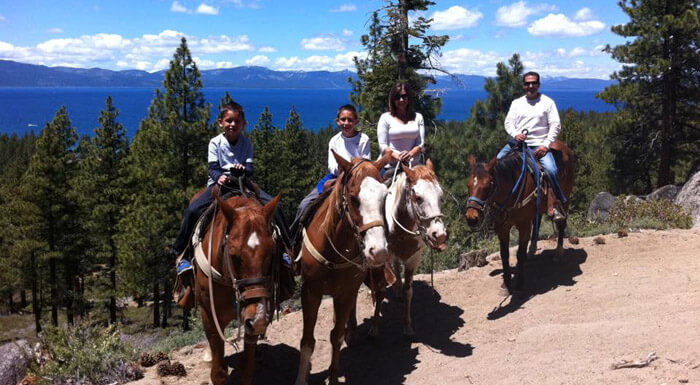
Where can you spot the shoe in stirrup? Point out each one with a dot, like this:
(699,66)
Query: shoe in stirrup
(558,213)
(183,266)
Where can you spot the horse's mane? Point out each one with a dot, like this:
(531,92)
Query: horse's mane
(509,166)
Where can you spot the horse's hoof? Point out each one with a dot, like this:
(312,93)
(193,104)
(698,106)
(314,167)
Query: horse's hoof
(206,356)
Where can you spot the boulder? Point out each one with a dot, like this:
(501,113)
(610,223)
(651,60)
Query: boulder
(600,206)
(668,192)
(689,197)
(473,258)
(15,358)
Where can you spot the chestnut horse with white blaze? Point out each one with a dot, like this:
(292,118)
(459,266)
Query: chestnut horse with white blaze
(240,286)
(491,189)
(414,218)
(344,237)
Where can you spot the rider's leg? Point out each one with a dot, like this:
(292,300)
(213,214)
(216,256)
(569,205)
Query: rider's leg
(550,168)
(504,151)
(302,211)
(189,219)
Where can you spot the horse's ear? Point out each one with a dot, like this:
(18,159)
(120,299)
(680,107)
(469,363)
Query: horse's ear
(269,209)
(472,160)
(429,163)
(409,173)
(343,164)
(225,208)
(491,163)
(383,161)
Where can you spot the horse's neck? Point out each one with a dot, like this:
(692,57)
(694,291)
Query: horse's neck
(397,206)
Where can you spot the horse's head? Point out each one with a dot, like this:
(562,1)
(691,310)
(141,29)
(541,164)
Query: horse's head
(480,186)
(425,196)
(248,255)
(362,196)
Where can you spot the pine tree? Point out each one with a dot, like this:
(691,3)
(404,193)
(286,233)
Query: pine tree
(294,164)
(658,88)
(393,57)
(102,192)
(266,140)
(47,184)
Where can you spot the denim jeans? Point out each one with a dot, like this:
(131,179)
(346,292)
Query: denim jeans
(549,165)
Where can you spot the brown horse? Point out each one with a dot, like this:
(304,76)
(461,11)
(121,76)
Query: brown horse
(347,226)
(240,286)
(491,188)
(414,218)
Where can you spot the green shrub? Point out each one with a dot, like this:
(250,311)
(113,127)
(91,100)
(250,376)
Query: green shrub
(85,354)
(178,338)
(654,214)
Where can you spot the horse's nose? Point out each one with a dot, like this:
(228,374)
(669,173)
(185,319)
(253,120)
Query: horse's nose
(378,256)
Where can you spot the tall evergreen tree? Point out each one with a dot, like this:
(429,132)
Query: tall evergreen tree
(396,51)
(266,140)
(152,215)
(48,187)
(102,192)
(658,88)
(294,164)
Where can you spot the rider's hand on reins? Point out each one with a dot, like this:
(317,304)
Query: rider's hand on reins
(541,151)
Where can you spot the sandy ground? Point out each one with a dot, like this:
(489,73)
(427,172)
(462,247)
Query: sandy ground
(604,304)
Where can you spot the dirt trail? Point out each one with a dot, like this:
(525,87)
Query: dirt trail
(606,303)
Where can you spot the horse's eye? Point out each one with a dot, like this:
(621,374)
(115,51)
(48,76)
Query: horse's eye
(355,200)
(419,200)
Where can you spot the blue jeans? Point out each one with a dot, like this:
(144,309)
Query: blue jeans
(549,165)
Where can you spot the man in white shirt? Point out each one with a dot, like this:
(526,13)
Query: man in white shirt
(534,119)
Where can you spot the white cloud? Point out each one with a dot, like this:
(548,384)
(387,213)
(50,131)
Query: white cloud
(224,64)
(319,63)
(54,30)
(258,60)
(576,51)
(206,9)
(516,14)
(267,49)
(220,44)
(562,26)
(347,32)
(178,8)
(455,17)
(322,43)
(345,8)
(469,61)
(584,14)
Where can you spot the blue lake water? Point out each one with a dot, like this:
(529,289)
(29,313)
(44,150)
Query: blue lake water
(23,108)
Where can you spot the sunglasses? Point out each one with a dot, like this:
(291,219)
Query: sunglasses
(528,84)
(402,97)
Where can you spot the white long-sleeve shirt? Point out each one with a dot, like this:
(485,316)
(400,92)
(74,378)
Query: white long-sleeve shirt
(356,147)
(400,136)
(539,117)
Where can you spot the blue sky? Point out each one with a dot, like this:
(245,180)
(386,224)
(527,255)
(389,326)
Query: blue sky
(555,38)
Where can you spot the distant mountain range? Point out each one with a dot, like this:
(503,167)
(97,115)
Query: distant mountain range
(14,74)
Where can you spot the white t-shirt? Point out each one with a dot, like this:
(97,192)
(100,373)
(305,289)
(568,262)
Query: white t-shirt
(538,116)
(356,147)
(226,155)
(398,136)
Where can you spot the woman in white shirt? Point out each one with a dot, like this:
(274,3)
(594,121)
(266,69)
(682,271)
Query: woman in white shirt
(401,130)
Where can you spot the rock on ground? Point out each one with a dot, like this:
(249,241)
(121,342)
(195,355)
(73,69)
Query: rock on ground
(600,206)
(689,197)
(13,364)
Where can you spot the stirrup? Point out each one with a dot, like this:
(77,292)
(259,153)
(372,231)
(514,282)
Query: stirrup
(558,213)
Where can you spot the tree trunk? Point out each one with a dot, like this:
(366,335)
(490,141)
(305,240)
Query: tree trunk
(70,291)
(10,301)
(23,298)
(54,291)
(36,301)
(156,304)
(166,305)
(402,54)
(113,284)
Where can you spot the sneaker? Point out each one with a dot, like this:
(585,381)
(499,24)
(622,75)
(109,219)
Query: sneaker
(183,266)
(558,216)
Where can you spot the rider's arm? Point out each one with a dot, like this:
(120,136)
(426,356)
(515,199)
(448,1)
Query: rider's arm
(554,124)
(510,120)
(383,133)
(365,149)
(332,164)
(420,140)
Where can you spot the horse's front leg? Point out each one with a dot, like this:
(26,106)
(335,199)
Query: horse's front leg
(379,295)
(311,293)
(342,305)
(524,229)
(533,242)
(351,328)
(561,230)
(503,233)
(219,371)
(248,359)
(410,267)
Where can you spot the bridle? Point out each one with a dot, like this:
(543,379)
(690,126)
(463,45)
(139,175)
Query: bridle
(343,210)
(409,195)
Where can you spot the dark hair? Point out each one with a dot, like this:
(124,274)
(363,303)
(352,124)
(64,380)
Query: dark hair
(532,73)
(394,95)
(347,107)
(232,106)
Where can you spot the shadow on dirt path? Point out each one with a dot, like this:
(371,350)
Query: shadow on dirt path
(542,274)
